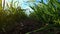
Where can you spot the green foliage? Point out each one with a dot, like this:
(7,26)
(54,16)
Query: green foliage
(0,4)
(47,14)
(10,17)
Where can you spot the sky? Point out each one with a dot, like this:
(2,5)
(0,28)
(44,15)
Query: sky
(25,4)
